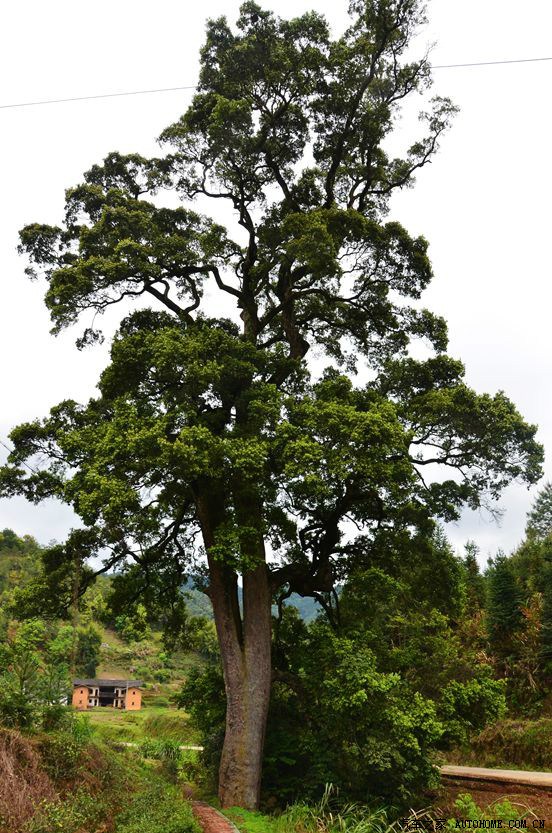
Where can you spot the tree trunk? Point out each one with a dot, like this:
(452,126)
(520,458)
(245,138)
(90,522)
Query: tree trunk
(245,648)
(247,684)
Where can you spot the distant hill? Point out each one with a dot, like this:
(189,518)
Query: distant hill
(307,607)
(199,605)
(19,561)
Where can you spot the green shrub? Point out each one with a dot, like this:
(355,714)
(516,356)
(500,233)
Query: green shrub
(467,707)
(499,810)
(53,717)
(78,810)
(16,709)
(62,755)
(80,727)
(190,768)
(159,809)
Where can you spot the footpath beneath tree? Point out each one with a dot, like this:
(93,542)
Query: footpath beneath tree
(211,820)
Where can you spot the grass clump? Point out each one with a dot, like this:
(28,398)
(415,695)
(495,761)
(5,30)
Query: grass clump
(160,750)
(327,817)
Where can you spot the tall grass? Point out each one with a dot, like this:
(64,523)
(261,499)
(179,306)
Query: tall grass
(327,816)
(170,725)
(161,750)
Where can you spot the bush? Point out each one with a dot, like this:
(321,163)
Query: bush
(16,709)
(77,811)
(62,756)
(53,718)
(498,810)
(467,707)
(159,809)
(348,724)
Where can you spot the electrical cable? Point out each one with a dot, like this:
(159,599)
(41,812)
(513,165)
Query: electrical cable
(194,86)
(34,471)
(491,63)
(90,97)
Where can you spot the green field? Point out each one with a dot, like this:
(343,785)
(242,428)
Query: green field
(151,722)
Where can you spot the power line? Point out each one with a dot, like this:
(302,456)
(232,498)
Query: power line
(90,97)
(491,63)
(34,471)
(194,86)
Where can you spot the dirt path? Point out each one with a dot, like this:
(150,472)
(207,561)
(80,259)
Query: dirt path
(211,820)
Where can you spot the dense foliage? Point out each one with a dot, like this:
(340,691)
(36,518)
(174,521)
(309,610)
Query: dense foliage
(362,704)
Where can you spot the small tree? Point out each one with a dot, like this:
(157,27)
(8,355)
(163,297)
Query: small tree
(211,430)
(545,653)
(475,582)
(88,651)
(504,602)
(133,625)
(539,518)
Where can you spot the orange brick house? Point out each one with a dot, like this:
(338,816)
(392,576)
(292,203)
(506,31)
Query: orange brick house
(116,694)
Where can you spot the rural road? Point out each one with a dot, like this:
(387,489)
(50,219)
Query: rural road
(502,776)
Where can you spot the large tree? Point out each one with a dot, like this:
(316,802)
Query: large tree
(211,430)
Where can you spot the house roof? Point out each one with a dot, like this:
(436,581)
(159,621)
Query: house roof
(110,683)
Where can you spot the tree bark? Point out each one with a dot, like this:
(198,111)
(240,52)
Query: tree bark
(247,684)
(245,648)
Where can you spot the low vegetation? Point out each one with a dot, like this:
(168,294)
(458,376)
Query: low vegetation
(329,816)
(64,781)
(516,744)
(317,818)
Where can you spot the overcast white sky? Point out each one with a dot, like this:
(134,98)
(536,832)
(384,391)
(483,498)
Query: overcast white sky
(483,204)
